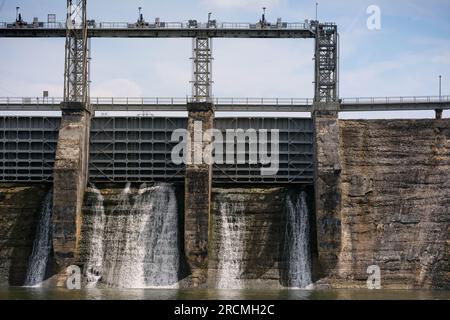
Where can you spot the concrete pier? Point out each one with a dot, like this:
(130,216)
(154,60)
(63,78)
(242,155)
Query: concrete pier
(327,184)
(198,193)
(69,182)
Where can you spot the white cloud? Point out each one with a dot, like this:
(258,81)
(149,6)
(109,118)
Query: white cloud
(263,68)
(116,88)
(242,4)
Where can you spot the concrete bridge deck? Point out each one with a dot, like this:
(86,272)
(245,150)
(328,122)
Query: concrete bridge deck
(233,104)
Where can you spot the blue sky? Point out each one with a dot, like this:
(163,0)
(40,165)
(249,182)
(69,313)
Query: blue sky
(405,57)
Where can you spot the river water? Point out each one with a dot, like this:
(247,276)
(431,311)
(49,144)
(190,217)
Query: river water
(21,293)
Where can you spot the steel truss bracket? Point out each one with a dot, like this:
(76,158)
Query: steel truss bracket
(76,71)
(326,63)
(202,69)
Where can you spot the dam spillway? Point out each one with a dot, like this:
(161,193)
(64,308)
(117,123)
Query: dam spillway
(336,254)
(134,243)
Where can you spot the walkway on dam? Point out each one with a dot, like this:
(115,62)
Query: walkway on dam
(232,104)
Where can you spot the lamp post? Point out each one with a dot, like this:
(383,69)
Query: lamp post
(439,111)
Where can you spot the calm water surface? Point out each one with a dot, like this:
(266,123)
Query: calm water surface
(205,294)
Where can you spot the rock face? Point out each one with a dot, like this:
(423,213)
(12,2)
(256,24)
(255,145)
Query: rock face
(20,206)
(395,203)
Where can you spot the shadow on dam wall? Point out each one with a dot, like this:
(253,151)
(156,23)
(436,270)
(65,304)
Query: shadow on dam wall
(20,207)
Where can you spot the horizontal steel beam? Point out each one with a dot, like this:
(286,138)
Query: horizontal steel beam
(237,107)
(159,33)
(162,107)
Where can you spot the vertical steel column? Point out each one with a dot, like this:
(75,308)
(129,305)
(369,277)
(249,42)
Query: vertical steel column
(326,63)
(202,69)
(76,71)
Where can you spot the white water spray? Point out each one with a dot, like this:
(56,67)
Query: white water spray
(297,241)
(42,245)
(231,245)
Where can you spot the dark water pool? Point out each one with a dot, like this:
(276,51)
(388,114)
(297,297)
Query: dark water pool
(205,294)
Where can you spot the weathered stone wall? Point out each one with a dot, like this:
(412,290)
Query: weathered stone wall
(198,192)
(70,177)
(20,206)
(395,203)
(327,180)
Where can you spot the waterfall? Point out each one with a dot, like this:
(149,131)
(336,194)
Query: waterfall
(140,246)
(94,263)
(231,245)
(42,245)
(297,241)
(115,236)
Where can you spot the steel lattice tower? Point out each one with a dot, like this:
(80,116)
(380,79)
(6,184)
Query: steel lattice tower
(76,71)
(202,79)
(326,63)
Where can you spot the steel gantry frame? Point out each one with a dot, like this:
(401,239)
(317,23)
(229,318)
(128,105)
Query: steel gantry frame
(326,63)
(76,71)
(202,69)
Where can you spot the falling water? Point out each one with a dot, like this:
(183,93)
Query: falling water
(94,263)
(297,241)
(141,246)
(231,246)
(41,246)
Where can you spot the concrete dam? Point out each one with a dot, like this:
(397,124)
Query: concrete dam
(243,201)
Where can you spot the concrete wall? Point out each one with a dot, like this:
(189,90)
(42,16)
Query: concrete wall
(198,193)
(395,203)
(327,185)
(20,206)
(69,180)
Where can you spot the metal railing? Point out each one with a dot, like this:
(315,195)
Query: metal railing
(223,100)
(164,25)
(157,101)
(392,100)
(38,25)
